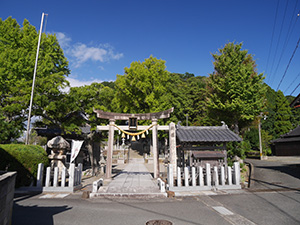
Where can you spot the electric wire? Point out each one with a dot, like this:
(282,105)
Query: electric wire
(288,36)
(276,49)
(288,64)
(295,89)
(272,37)
(292,83)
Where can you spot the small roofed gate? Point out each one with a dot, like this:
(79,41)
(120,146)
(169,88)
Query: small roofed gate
(132,119)
(202,159)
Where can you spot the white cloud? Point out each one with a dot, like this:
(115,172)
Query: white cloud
(63,40)
(79,83)
(80,53)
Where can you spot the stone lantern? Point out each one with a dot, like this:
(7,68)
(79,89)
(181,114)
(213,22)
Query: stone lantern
(59,146)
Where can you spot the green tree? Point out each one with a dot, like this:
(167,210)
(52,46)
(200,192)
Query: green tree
(235,90)
(17,59)
(142,86)
(282,116)
(268,123)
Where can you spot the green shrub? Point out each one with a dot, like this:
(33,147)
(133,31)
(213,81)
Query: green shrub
(24,159)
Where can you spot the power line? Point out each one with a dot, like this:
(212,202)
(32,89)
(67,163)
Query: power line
(288,64)
(292,82)
(295,89)
(279,39)
(288,36)
(272,38)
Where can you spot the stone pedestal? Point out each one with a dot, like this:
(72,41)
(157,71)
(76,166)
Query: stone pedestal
(58,146)
(58,159)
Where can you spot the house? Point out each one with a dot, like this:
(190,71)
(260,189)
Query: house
(288,144)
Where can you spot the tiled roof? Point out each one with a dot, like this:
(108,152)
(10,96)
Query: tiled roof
(292,136)
(208,154)
(212,134)
(292,133)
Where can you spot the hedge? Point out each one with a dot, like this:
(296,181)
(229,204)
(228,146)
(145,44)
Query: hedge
(24,159)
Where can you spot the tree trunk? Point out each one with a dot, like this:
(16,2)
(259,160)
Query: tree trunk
(90,151)
(94,152)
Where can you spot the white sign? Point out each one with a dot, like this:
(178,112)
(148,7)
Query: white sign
(76,145)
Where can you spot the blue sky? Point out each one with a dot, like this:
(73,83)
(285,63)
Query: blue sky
(101,38)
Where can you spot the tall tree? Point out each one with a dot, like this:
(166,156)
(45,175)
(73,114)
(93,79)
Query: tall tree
(235,90)
(282,116)
(17,59)
(142,86)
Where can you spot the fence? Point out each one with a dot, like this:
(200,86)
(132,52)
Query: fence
(60,181)
(200,179)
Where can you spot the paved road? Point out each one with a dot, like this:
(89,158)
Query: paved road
(244,208)
(276,173)
(274,198)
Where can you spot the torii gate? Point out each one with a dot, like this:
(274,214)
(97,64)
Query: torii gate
(112,117)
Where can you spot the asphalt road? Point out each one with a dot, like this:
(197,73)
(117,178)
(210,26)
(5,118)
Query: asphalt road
(242,208)
(276,173)
(273,198)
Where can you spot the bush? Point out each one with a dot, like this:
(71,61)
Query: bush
(24,159)
(237,149)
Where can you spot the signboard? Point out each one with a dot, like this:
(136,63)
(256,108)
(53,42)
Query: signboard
(76,145)
(132,123)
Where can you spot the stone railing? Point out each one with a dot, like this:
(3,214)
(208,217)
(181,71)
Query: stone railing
(60,181)
(199,178)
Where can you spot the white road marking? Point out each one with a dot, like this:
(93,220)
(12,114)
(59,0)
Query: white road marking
(54,196)
(222,210)
(47,196)
(61,195)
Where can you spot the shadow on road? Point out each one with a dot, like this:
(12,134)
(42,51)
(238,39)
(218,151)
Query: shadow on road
(23,215)
(290,169)
(272,186)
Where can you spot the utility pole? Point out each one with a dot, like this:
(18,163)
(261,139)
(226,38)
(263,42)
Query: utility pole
(259,135)
(33,82)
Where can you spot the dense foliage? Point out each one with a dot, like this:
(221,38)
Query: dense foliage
(235,90)
(17,59)
(24,159)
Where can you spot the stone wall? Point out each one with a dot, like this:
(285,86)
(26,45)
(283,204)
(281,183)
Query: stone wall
(7,188)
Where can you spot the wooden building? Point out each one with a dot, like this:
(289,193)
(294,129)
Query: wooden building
(288,144)
(199,145)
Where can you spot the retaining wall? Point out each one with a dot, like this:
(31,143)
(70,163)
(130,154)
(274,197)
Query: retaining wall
(7,188)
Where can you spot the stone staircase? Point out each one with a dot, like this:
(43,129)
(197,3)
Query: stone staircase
(135,157)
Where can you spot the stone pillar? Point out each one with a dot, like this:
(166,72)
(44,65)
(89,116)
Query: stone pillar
(110,149)
(170,176)
(71,175)
(155,149)
(55,179)
(193,176)
(48,171)
(172,143)
(208,174)
(63,177)
(186,176)
(237,176)
(39,179)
